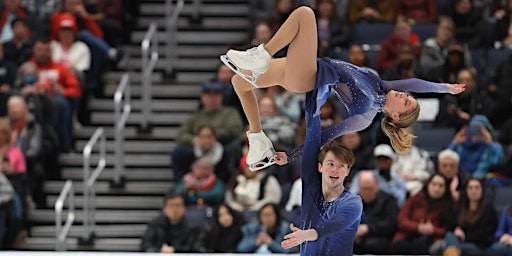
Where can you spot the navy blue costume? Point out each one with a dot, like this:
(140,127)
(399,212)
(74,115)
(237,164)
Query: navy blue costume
(364,95)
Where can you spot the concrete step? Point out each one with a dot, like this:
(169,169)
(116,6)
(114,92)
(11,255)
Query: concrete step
(103,187)
(194,76)
(104,118)
(208,23)
(130,133)
(117,202)
(102,231)
(135,146)
(131,160)
(130,174)
(135,77)
(101,244)
(102,216)
(161,91)
(196,37)
(208,9)
(191,64)
(184,51)
(170,105)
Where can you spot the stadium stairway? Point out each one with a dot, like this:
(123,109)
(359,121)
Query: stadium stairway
(122,214)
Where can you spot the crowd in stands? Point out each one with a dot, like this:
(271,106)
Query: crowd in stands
(52,56)
(419,202)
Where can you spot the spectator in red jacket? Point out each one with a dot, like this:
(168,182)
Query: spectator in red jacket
(62,85)
(388,53)
(418,11)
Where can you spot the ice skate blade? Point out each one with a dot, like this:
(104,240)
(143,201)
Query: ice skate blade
(249,78)
(261,165)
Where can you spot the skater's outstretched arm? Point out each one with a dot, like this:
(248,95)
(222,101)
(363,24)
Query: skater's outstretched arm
(422,86)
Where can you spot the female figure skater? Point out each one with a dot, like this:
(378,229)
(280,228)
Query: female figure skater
(363,93)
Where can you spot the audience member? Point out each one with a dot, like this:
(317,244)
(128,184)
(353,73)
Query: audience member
(419,11)
(471,229)
(448,166)
(388,182)
(11,10)
(287,103)
(479,152)
(456,60)
(500,90)
(60,83)
(278,128)
(229,98)
(223,233)
(7,208)
(414,167)
(204,145)
(362,151)
(406,64)
(282,9)
(456,110)
(28,136)
(201,185)
(108,14)
(332,30)
(358,57)
(170,232)
(372,11)
(19,48)
(328,118)
(423,219)
(249,191)
(435,49)
(378,222)
(7,76)
(468,23)
(262,34)
(388,52)
(503,234)
(503,31)
(265,235)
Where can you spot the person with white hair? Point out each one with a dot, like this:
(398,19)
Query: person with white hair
(448,165)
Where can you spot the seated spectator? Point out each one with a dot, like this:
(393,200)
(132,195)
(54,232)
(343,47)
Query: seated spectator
(19,48)
(282,9)
(423,219)
(223,233)
(61,84)
(362,151)
(406,64)
(28,136)
(358,57)
(170,232)
(262,34)
(278,128)
(448,166)
(455,61)
(108,15)
(372,11)
(229,98)
(332,30)
(414,167)
(435,49)
(201,185)
(472,227)
(479,152)
(249,191)
(204,145)
(500,90)
(67,51)
(7,76)
(388,182)
(388,52)
(468,23)
(378,222)
(456,110)
(8,210)
(11,10)
(265,235)
(503,234)
(288,104)
(422,11)
(260,10)
(503,32)
(328,118)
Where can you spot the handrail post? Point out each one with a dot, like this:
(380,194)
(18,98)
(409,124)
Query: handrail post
(89,206)
(171,16)
(61,233)
(149,48)
(122,103)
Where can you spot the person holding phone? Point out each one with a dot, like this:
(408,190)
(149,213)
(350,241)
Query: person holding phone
(479,152)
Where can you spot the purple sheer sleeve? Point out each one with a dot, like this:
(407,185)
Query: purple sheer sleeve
(415,85)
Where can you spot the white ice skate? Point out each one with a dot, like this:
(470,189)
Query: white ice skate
(255,60)
(261,151)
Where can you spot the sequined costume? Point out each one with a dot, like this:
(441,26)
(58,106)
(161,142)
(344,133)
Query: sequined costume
(364,94)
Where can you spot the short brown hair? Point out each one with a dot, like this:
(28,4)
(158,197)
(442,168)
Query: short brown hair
(339,150)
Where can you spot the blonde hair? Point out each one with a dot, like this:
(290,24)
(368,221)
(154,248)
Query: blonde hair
(401,140)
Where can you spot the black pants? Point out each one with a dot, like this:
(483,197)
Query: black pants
(412,245)
(373,245)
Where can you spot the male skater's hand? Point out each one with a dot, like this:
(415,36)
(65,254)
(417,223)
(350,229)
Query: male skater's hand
(298,236)
(281,158)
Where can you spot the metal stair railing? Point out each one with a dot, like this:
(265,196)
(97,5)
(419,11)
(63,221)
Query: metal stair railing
(122,103)
(172,12)
(61,232)
(149,48)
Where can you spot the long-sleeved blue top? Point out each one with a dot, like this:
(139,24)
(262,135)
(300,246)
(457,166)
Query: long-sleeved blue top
(364,94)
(504,226)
